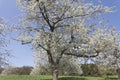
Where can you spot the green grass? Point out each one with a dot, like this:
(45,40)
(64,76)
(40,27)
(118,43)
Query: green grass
(25,77)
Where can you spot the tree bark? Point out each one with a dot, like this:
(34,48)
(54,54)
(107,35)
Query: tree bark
(55,72)
(118,73)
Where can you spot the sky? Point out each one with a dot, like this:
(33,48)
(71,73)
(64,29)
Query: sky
(23,55)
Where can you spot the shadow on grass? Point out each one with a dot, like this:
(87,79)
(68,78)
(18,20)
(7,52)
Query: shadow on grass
(70,78)
(111,78)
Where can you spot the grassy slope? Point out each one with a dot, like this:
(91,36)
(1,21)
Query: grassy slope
(50,78)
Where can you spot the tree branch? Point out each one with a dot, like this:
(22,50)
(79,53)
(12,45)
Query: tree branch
(50,58)
(60,56)
(85,55)
(46,18)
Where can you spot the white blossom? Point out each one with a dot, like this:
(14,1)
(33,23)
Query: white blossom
(62,27)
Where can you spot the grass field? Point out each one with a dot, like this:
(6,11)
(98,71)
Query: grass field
(24,77)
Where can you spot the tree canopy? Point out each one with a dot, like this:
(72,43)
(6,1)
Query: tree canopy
(64,27)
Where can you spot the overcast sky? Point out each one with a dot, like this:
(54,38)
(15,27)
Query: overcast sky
(23,54)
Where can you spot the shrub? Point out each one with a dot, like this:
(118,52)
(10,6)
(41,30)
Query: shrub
(25,70)
(90,70)
(108,72)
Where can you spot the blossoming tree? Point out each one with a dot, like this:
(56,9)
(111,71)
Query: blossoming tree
(115,56)
(111,57)
(63,27)
(4,54)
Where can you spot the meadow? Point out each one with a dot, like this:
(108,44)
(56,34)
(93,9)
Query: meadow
(26,77)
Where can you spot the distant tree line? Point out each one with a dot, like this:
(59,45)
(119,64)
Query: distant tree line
(95,70)
(68,69)
(25,70)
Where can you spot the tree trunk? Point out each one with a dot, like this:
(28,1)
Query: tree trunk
(118,73)
(55,73)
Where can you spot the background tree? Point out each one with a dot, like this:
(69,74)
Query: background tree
(40,69)
(63,27)
(115,61)
(69,66)
(9,70)
(111,60)
(25,70)
(90,70)
(4,53)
